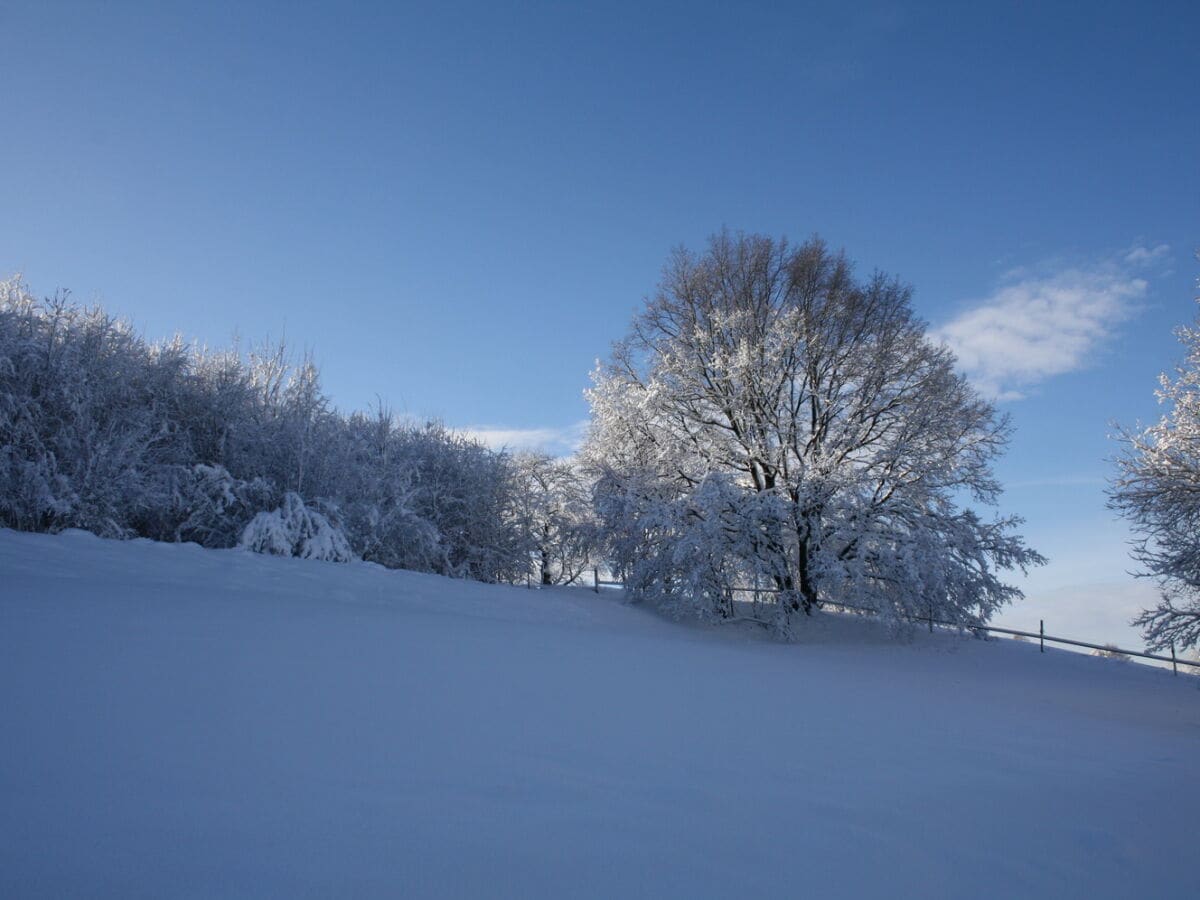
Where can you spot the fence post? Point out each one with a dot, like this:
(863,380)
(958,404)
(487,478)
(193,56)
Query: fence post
(931,617)
(1042,631)
(1174,665)
(596,579)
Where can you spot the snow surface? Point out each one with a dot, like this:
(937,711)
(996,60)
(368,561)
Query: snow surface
(180,722)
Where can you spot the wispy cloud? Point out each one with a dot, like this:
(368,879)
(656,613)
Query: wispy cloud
(1039,323)
(557,441)
(1139,255)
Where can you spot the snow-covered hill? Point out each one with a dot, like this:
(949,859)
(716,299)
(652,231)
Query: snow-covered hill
(179,722)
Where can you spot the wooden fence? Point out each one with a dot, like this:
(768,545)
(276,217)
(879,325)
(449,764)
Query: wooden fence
(1040,634)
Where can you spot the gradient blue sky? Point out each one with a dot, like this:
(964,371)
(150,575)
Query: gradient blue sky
(459,206)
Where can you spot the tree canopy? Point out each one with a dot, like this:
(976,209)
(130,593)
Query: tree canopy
(1157,488)
(772,419)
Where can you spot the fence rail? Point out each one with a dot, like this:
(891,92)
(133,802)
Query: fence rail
(1040,634)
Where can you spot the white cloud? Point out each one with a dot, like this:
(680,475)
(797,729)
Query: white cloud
(1139,255)
(555,441)
(1037,325)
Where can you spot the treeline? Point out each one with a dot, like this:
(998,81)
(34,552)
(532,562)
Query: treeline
(105,431)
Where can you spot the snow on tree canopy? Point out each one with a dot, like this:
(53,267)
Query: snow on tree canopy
(104,431)
(1157,489)
(771,419)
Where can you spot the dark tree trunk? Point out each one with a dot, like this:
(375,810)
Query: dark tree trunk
(545,551)
(808,591)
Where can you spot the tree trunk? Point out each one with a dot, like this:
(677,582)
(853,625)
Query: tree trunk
(808,591)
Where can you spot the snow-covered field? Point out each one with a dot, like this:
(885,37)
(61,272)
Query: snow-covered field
(178,722)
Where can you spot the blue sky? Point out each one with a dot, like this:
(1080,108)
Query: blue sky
(459,206)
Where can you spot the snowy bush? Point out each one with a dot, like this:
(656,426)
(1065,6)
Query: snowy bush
(103,431)
(205,504)
(78,425)
(295,529)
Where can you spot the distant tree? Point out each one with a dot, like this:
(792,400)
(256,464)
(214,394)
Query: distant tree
(1157,489)
(772,418)
(556,505)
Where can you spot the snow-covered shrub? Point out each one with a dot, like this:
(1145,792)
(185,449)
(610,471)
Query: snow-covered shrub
(103,431)
(295,529)
(381,503)
(469,493)
(33,493)
(202,503)
(78,421)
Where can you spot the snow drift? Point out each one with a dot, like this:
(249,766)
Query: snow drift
(198,723)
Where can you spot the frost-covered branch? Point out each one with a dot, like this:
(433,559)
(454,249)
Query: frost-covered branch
(1157,489)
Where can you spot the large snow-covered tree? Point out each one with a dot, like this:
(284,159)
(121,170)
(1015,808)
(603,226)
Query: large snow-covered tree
(1157,488)
(771,419)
